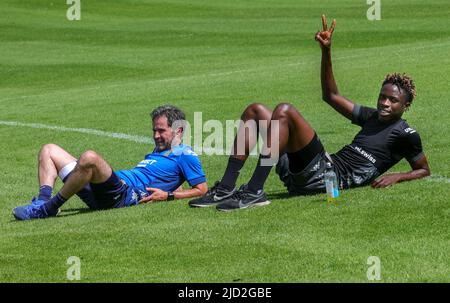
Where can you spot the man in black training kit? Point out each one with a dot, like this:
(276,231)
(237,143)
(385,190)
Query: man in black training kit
(383,141)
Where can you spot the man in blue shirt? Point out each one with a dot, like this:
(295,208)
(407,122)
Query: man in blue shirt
(156,178)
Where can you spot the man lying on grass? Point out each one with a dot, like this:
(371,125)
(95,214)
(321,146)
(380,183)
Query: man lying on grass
(155,178)
(383,141)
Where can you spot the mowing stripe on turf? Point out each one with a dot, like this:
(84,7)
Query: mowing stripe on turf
(395,51)
(142,139)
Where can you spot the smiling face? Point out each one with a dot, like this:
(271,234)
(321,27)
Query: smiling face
(392,103)
(163,134)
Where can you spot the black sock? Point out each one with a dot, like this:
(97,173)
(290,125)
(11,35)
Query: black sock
(54,203)
(45,192)
(259,176)
(231,173)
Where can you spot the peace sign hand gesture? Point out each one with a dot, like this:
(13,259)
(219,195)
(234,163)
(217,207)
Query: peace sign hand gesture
(324,37)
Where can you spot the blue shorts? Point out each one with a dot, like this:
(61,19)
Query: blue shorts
(113,193)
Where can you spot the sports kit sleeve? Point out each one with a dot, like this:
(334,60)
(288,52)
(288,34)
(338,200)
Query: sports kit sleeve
(192,168)
(361,114)
(411,145)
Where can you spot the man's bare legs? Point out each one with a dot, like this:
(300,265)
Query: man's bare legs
(54,161)
(91,168)
(245,140)
(254,112)
(287,132)
(51,160)
(292,133)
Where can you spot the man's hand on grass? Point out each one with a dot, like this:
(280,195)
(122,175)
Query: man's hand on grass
(157,195)
(386,180)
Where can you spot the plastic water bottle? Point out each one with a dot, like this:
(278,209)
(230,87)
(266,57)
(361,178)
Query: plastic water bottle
(331,183)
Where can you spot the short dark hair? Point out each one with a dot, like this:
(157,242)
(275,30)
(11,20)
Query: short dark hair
(402,81)
(172,113)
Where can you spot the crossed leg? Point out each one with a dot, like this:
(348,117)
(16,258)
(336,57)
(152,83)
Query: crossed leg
(90,168)
(51,160)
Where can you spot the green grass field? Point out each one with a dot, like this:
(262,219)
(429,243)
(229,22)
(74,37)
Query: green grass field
(125,57)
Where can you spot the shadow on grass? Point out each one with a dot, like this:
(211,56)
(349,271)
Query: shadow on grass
(286,196)
(74,211)
(279,195)
(68,213)
(65,213)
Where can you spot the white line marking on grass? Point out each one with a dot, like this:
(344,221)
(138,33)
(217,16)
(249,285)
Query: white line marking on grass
(133,138)
(95,132)
(438,179)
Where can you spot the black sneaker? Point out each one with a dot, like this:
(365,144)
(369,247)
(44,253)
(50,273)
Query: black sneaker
(214,196)
(243,198)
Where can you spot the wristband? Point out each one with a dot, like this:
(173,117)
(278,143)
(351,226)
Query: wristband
(170,196)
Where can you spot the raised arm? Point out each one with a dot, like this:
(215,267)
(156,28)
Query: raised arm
(330,93)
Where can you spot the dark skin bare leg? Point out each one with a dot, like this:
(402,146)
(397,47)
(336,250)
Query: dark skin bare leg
(254,119)
(294,132)
(284,129)
(254,112)
(287,132)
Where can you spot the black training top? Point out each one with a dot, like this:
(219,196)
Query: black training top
(375,149)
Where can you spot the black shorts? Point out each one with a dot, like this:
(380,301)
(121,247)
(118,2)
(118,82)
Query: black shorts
(111,194)
(309,180)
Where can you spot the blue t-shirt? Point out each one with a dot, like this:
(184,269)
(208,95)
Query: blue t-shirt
(165,170)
